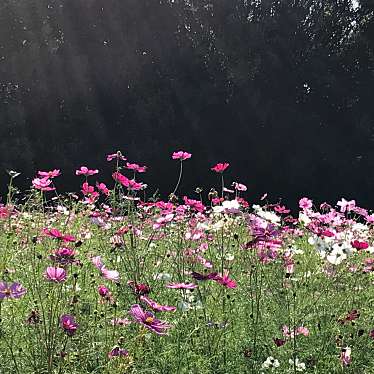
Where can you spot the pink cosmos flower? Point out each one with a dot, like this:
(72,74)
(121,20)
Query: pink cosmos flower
(56,234)
(103,291)
(50,174)
(181,155)
(137,168)
(112,275)
(118,352)
(157,307)
(185,286)
(239,186)
(103,188)
(345,356)
(63,256)
(305,203)
(225,280)
(86,172)
(345,205)
(359,244)
(42,184)
(220,167)
(117,156)
(68,324)
(55,274)
(11,290)
(148,320)
(130,184)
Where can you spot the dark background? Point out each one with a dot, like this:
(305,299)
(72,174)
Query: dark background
(283,90)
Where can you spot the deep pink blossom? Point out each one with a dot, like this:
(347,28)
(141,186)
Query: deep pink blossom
(84,170)
(181,155)
(148,320)
(225,280)
(63,256)
(56,234)
(220,167)
(130,184)
(68,324)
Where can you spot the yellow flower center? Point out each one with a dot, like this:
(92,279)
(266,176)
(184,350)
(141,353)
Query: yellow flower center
(149,320)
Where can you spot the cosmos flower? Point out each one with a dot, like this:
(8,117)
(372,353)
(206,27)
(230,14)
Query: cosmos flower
(148,320)
(55,274)
(305,203)
(84,170)
(220,167)
(130,184)
(49,174)
(103,188)
(63,256)
(56,234)
(11,290)
(345,356)
(185,286)
(117,156)
(118,352)
(181,155)
(42,184)
(225,280)
(135,167)
(68,324)
(155,306)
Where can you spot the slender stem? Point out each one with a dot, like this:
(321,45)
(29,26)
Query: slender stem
(179,179)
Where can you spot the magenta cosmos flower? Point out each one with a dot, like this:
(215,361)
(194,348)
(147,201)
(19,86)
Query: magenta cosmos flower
(181,155)
(220,167)
(49,174)
(185,286)
(118,352)
(130,184)
(56,234)
(84,170)
(305,203)
(11,290)
(55,274)
(148,320)
(68,324)
(117,156)
(156,306)
(135,167)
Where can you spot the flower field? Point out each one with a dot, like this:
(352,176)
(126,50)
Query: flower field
(107,281)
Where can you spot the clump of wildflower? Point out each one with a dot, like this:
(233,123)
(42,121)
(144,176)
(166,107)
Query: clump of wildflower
(270,363)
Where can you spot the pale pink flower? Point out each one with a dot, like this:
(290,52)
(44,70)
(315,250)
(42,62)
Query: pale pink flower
(42,184)
(345,356)
(86,172)
(117,156)
(240,187)
(305,203)
(345,205)
(55,274)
